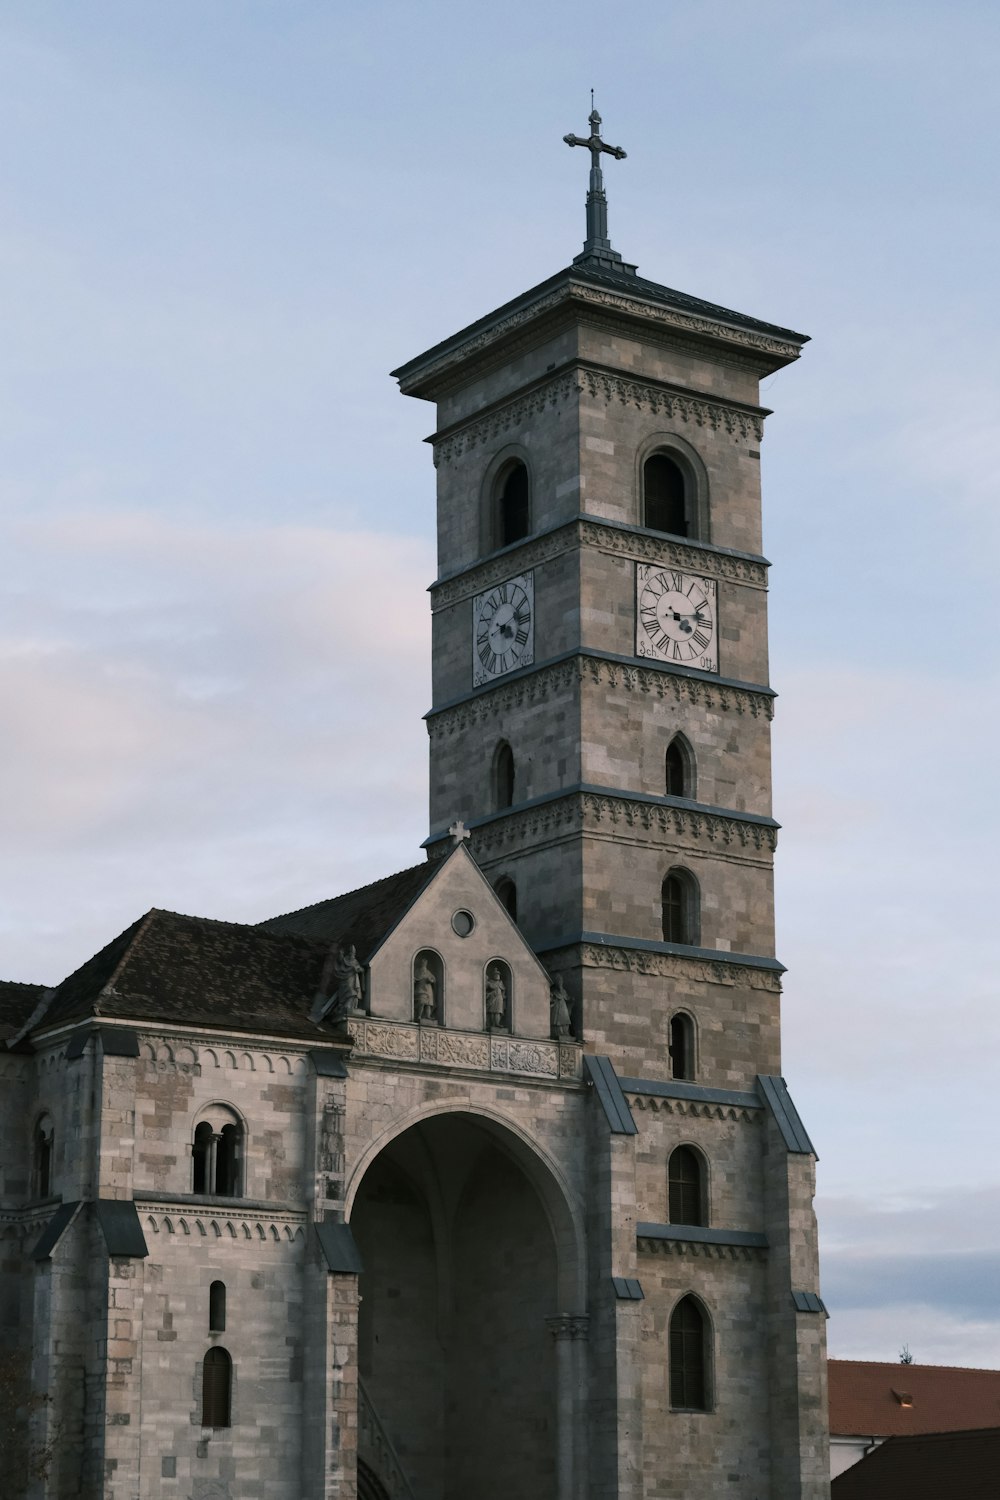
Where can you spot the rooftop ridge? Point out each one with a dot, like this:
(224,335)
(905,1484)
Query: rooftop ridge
(356,891)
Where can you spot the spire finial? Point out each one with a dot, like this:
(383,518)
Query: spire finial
(597,242)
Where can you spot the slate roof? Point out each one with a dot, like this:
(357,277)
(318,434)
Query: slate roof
(17,1001)
(867,1398)
(192,970)
(362,917)
(933,1466)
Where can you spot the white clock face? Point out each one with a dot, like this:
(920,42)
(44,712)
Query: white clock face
(503,629)
(675,617)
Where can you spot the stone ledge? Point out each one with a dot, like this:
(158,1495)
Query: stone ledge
(404,1041)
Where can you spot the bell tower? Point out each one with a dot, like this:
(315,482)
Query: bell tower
(601,724)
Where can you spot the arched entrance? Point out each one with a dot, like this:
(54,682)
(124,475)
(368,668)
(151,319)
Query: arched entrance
(462,1271)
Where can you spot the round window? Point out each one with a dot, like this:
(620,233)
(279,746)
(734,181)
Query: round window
(463,923)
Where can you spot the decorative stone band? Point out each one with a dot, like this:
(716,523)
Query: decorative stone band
(568,1325)
(690,1109)
(583,809)
(662,961)
(695,1240)
(744,423)
(222,1223)
(552,679)
(401,1041)
(669,317)
(622,541)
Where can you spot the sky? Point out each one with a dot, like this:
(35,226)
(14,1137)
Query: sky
(224,223)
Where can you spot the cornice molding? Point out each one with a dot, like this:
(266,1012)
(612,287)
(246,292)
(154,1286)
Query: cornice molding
(668,317)
(587,531)
(582,811)
(694,969)
(540,683)
(739,422)
(691,1108)
(693,1250)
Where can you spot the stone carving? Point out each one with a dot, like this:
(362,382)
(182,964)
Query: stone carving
(532,1057)
(346,996)
(386,1040)
(695,1251)
(740,422)
(424,990)
(496,703)
(678,966)
(560,1016)
(686,555)
(464,1051)
(692,1108)
(766,342)
(496,997)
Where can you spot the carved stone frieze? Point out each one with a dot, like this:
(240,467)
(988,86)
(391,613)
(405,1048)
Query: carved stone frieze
(406,1042)
(693,1251)
(624,543)
(201,1223)
(546,682)
(691,1108)
(676,966)
(601,385)
(671,317)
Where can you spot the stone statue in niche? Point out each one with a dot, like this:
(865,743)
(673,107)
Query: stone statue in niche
(424,990)
(496,998)
(347,980)
(560,1015)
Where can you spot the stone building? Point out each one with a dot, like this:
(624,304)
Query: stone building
(481,1181)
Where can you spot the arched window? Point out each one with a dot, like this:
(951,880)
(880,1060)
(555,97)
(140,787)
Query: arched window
(513,520)
(216,1388)
(679,769)
(44,1136)
(497,995)
(507,891)
(665,496)
(217,1154)
(686,1187)
(217,1307)
(503,777)
(688,1356)
(679,899)
(681,1046)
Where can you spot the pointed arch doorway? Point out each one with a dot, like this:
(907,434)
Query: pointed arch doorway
(462,1251)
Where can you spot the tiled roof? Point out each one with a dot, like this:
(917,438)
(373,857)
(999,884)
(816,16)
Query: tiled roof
(870,1399)
(938,1466)
(362,917)
(17,1001)
(194,971)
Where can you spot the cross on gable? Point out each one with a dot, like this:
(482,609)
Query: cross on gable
(459,833)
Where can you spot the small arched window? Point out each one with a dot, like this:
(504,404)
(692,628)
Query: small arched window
(507,891)
(689,1356)
(679,768)
(217,1307)
(679,901)
(216,1388)
(217,1154)
(44,1137)
(681,1046)
(503,777)
(686,1187)
(513,519)
(666,499)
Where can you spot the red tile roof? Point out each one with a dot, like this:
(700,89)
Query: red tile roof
(939,1466)
(869,1399)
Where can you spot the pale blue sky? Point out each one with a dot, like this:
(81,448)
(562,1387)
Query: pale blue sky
(224,223)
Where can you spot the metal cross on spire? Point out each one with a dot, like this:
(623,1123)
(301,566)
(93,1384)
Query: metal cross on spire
(597,242)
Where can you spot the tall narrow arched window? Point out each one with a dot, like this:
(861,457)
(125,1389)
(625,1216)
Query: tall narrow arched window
(689,1356)
(666,501)
(217,1150)
(503,777)
(43,1142)
(679,902)
(507,891)
(216,1388)
(686,1187)
(679,768)
(681,1046)
(513,508)
(217,1307)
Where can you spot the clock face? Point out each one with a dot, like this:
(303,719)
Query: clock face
(503,629)
(675,617)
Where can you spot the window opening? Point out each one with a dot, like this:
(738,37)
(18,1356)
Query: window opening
(679,906)
(504,777)
(216,1160)
(43,1156)
(679,770)
(681,1047)
(685,1195)
(216,1388)
(664,496)
(688,1382)
(514,506)
(217,1307)
(507,891)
